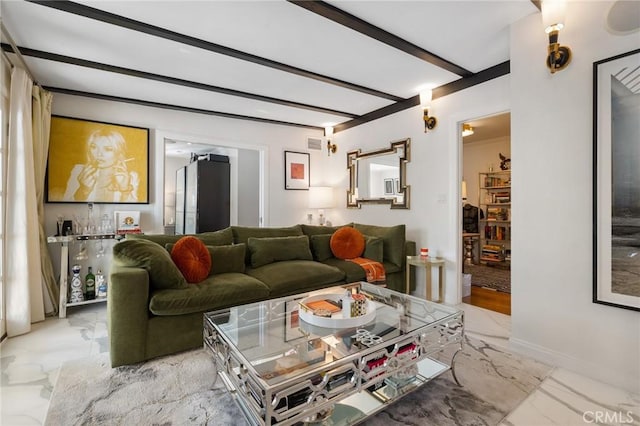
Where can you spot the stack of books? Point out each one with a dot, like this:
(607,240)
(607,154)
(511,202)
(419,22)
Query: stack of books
(491,253)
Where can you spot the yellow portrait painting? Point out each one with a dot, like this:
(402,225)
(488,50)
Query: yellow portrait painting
(90,161)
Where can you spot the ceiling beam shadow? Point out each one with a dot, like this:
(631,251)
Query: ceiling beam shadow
(341,17)
(166,79)
(177,107)
(438,92)
(121,21)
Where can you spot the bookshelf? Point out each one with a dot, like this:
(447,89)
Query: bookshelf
(494,198)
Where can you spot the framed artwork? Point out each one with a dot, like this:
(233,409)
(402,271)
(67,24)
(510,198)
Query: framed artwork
(397,185)
(616,180)
(91,161)
(388,186)
(296,170)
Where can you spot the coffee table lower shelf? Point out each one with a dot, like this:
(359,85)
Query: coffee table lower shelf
(359,406)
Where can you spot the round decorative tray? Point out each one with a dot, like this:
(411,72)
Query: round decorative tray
(336,320)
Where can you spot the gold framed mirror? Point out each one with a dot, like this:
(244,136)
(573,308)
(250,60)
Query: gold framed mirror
(380,177)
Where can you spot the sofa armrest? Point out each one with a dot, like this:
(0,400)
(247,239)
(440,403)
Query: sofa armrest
(127,314)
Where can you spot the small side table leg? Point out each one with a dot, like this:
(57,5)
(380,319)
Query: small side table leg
(407,272)
(440,284)
(428,271)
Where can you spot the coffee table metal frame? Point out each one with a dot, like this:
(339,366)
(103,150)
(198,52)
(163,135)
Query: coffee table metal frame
(308,393)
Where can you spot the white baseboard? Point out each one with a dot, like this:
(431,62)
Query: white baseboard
(596,371)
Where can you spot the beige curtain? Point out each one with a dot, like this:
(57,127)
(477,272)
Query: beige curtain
(41,126)
(23,280)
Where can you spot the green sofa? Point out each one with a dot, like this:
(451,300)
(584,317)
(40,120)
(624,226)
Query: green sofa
(153,312)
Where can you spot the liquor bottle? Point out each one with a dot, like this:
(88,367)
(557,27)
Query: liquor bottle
(90,283)
(76,285)
(101,284)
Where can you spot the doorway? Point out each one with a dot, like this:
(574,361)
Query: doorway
(486,212)
(246,171)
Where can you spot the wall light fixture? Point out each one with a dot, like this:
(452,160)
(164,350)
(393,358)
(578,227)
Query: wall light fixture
(425,103)
(467,130)
(553,15)
(331,148)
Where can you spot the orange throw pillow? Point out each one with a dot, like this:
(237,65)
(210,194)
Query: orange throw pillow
(347,243)
(192,259)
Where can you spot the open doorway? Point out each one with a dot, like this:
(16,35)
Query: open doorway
(246,169)
(486,212)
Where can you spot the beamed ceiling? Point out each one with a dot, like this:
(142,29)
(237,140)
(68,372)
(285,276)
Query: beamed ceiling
(307,64)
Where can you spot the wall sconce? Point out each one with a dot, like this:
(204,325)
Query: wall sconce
(553,13)
(331,148)
(467,130)
(425,103)
(321,197)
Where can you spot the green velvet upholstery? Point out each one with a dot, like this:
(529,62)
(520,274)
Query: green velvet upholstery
(296,276)
(393,238)
(321,247)
(215,238)
(217,291)
(321,230)
(373,248)
(353,272)
(277,249)
(242,233)
(152,257)
(229,258)
(147,321)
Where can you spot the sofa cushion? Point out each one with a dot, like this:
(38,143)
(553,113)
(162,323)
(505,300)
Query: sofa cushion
(320,230)
(296,276)
(352,271)
(393,238)
(229,258)
(242,233)
(373,248)
(192,259)
(215,238)
(152,257)
(268,250)
(216,292)
(347,243)
(321,247)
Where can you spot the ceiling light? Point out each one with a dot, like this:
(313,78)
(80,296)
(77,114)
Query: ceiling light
(553,14)
(425,103)
(467,130)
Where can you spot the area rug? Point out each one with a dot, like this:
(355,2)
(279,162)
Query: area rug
(493,277)
(180,390)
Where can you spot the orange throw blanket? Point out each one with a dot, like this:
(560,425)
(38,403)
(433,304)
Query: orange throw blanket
(373,270)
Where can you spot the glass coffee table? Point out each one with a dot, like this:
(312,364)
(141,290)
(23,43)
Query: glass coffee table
(283,370)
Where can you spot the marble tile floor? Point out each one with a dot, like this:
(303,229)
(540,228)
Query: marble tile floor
(30,365)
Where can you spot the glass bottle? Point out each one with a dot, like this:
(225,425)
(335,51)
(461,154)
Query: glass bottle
(90,282)
(76,285)
(101,284)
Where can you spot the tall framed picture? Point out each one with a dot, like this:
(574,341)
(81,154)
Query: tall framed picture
(92,161)
(616,181)
(296,170)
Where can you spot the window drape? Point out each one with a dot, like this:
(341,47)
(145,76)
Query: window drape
(41,108)
(23,280)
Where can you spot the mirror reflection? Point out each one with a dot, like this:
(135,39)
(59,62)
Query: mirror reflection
(379,177)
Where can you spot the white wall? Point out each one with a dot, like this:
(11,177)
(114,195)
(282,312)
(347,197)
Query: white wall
(551,139)
(434,218)
(281,207)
